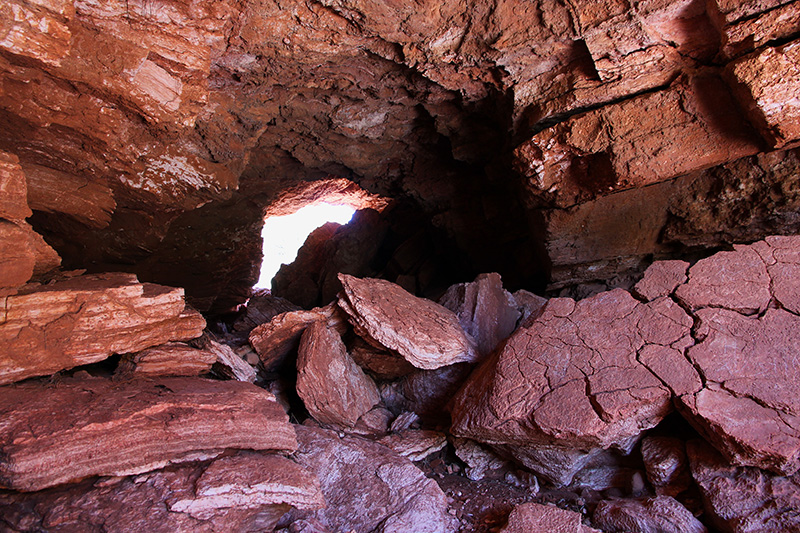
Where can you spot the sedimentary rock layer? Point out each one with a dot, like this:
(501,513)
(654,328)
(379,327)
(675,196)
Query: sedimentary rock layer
(105,428)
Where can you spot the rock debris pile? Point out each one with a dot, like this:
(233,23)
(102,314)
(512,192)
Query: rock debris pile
(672,407)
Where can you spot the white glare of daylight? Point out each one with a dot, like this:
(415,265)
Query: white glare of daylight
(283,236)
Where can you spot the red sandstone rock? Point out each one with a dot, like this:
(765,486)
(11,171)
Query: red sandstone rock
(37,29)
(333,388)
(17,257)
(486,311)
(242,492)
(226,362)
(749,407)
(13,189)
(733,280)
(744,499)
(86,319)
(170,359)
(662,514)
(751,33)
(783,264)
(650,138)
(369,487)
(381,363)
(537,517)
(570,382)
(142,425)
(479,460)
(426,392)
(528,304)
(79,197)
(415,444)
(261,308)
(273,341)
(661,279)
(766,85)
(667,468)
(425,333)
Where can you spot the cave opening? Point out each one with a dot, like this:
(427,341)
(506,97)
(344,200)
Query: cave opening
(282,236)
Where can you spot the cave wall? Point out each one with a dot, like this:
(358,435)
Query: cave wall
(555,142)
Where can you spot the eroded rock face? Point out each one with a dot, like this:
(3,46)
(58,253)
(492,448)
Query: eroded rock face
(368,486)
(426,334)
(145,425)
(572,379)
(47,328)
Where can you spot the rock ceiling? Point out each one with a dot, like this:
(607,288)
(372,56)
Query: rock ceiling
(553,141)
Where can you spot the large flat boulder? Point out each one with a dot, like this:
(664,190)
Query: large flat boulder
(51,435)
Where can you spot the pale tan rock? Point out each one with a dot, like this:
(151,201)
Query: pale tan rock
(333,388)
(112,429)
(53,191)
(766,85)
(87,318)
(242,492)
(170,359)
(415,444)
(426,334)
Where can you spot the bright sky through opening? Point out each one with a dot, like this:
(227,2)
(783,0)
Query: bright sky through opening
(283,236)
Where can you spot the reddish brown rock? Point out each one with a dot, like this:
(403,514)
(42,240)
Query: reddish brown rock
(170,359)
(537,517)
(644,140)
(226,362)
(415,444)
(333,388)
(486,311)
(662,514)
(426,334)
(276,339)
(17,257)
(749,407)
(783,264)
(661,279)
(37,29)
(667,468)
(778,22)
(87,318)
(143,425)
(426,393)
(570,382)
(242,492)
(380,363)
(480,461)
(369,486)
(13,189)
(734,280)
(528,303)
(766,86)
(261,308)
(744,499)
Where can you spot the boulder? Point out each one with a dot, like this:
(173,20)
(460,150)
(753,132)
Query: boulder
(113,429)
(666,465)
(530,517)
(425,333)
(662,514)
(85,319)
(170,359)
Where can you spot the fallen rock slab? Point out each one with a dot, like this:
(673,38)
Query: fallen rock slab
(661,279)
(369,487)
(425,333)
(415,444)
(382,364)
(243,492)
(570,382)
(226,363)
(666,465)
(333,388)
(112,429)
(742,499)
(170,359)
(261,308)
(530,517)
(662,513)
(85,319)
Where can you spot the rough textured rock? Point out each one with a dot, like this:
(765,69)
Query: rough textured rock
(486,311)
(426,392)
(333,388)
(766,84)
(661,279)
(667,468)
(170,359)
(661,514)
(144,425)
(571,381)
(538,517)
(480,460)
(426,334)
(630,144)
(80,320)
(415,444)
(273,341)
(369,487)
(380,363)
(226,363)
(744,499)
(775,23)
(14,189)
(261,308)
(242,492)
